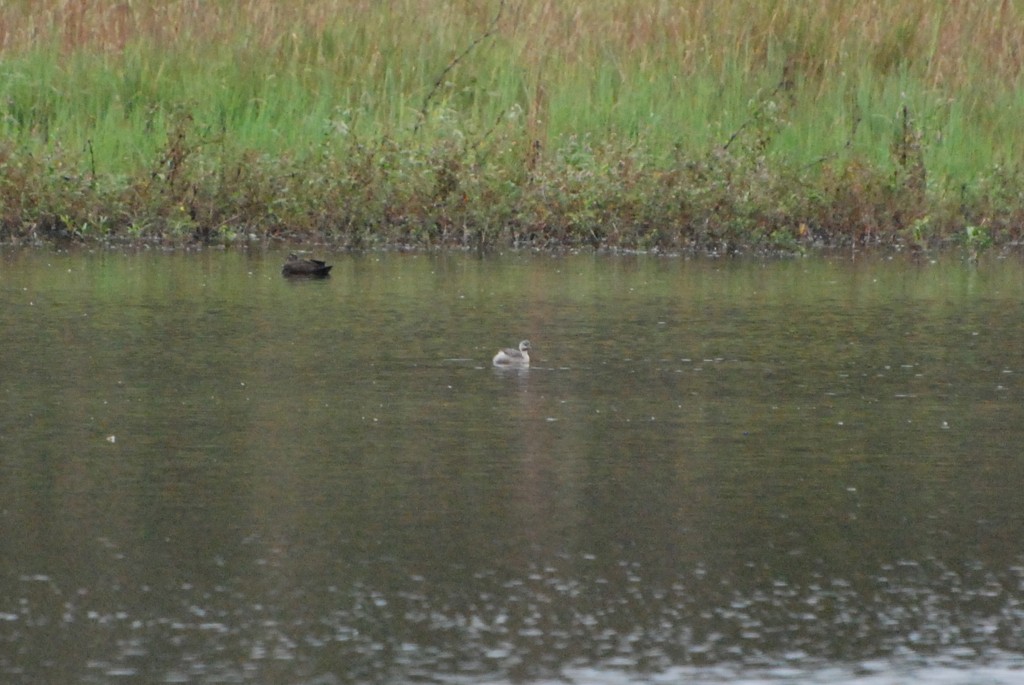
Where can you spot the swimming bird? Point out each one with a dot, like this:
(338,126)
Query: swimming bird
(309,268)
(511,357)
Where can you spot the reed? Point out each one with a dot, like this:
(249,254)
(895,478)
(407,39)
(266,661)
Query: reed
(617,123)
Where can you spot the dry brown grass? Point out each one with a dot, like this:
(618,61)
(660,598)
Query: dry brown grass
(944,43)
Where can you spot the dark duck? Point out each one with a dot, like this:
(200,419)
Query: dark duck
(298,267)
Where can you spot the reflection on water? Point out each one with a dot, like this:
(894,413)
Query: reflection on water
(712,472)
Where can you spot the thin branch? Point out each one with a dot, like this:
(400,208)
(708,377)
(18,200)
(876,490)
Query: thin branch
(451,65)
(785,83)
(835,153)
(757,110)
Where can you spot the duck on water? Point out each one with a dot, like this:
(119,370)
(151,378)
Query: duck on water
(513,357)
(297,267)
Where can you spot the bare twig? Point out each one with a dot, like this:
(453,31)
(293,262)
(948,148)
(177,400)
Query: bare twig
(835,153)
(785,84)
(456,60)
(757,111)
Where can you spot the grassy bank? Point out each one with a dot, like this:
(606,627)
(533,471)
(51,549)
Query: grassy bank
(712,125)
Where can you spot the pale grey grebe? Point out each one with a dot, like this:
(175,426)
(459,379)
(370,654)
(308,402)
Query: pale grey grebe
(511,357)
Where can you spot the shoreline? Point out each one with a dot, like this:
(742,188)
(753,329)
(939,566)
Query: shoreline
(318,247)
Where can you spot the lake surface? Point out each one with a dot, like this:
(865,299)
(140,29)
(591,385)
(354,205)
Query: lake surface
(715,471)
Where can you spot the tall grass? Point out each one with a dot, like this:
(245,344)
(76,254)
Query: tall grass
(616,122)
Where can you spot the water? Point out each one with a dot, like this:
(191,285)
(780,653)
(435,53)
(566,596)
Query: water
(804,471)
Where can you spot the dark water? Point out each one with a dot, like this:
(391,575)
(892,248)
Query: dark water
(804,471)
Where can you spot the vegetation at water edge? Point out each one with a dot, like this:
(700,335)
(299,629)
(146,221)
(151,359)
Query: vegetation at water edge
(710,125)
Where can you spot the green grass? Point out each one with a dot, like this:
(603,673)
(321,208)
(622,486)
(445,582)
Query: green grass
(714,125)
